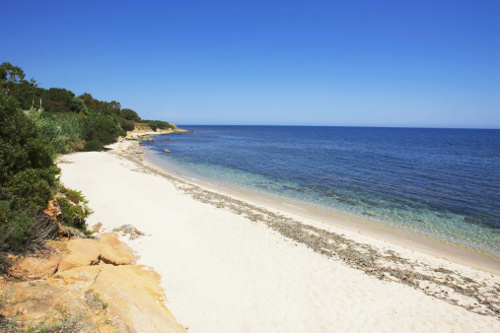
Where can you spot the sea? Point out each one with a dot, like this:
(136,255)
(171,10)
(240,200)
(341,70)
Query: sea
(439,184)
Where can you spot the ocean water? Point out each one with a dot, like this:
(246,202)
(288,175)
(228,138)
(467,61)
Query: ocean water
(442,184)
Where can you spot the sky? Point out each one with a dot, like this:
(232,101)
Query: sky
(403,63)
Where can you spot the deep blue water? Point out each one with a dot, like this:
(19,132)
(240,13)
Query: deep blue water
(442,183)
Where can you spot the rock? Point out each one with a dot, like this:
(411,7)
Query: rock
(97,227)
(115,252)
(166,150)
(137,299)
(82,252)
(88,252)
(36,300)
(89,291)
(31,268)
(83,275)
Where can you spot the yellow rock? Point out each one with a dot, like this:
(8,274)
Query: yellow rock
(31,268)
(82,252)
(115,252)
(135,296)
(82,275)
(87,252)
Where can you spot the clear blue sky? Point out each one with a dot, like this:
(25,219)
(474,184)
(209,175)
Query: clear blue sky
(425,63)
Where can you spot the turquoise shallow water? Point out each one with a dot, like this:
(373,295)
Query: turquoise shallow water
(443,184)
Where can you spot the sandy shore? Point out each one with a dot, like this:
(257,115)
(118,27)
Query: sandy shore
(228,265)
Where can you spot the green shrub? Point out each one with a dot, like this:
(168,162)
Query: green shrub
(93,145)
(126,125)
(130,115)
(155,124)
(31,188)
(27,176)
(74,208)
(16,227)
(102,128)
(63,131)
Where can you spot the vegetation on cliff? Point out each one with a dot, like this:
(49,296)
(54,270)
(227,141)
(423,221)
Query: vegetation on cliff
(33,204)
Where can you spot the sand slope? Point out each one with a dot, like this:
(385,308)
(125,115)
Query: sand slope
(223,272)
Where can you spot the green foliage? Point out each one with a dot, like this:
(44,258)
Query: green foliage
(130,115)
(64,131)
(97,106)
(93,145)
(27,174)
(74,208)
(31,187)
(27,93)
(10,74)
(16,227)
(58,100)
(78,106)
(126,125)
(155,124)
(102,128)
(22,145)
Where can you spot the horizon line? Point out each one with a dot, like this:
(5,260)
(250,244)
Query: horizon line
(354,126)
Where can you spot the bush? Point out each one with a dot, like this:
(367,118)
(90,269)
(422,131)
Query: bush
(27,176)
(64,131)
(16,227)
(93,145)
(102,128)
(22,144)
(126,125)
(74,208)
(130,115)
(31,188)
(155,124)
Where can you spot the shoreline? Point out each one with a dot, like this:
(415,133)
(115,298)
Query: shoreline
(230,265)
(399,237)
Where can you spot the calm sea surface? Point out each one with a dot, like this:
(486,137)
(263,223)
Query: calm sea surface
(438,183)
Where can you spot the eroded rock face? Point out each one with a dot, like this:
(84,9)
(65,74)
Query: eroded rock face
(94,282)
(88,252)
(134,293)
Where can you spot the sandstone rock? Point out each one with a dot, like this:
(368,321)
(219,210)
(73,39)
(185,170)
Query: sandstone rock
(83,275)
(31,268)
(135,296)
(95,284)
(115,252)
(87,252)
(38,300)
(82,252)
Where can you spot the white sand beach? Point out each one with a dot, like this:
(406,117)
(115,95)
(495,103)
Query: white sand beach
(231,266)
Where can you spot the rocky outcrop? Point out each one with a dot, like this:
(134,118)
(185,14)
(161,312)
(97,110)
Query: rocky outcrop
(95,283)
(142,128)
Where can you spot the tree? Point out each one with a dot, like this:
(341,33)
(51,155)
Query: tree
(11,73)
(130,115)
(27,168)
